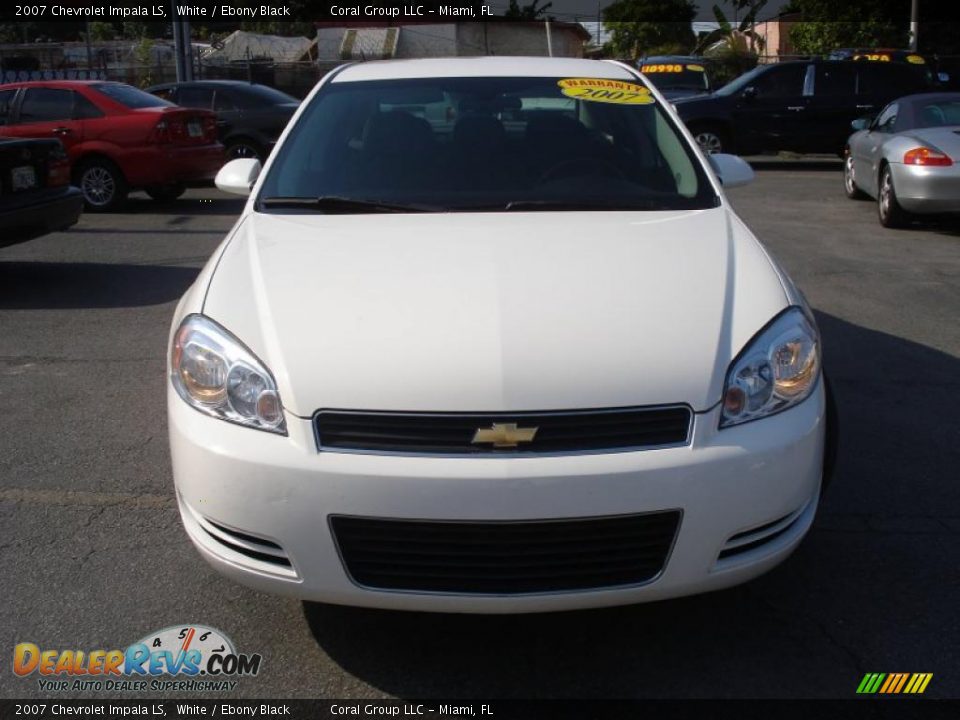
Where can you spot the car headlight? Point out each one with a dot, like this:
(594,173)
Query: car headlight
(777,369)
(213,372)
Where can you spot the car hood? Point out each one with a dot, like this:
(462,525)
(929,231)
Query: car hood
(683,93)
(498,311)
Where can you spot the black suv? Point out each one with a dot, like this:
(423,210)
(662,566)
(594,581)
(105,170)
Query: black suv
(250,117)
(802,106)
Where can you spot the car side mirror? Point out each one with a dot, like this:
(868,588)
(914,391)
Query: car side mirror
(732,170)
(861,123)
(238,176)
(749,93)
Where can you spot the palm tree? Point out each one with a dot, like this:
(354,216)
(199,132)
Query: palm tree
(742,39)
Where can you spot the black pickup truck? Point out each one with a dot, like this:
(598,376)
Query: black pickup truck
(35,192)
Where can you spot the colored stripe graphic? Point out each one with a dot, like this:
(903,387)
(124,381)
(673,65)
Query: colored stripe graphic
(894,683)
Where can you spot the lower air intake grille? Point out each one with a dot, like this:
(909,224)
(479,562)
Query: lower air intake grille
(505,557)
(502,433)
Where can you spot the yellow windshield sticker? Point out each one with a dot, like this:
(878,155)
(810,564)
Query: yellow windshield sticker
(874,57)
(916,60)
(607,91)
(695,68)
(661,68)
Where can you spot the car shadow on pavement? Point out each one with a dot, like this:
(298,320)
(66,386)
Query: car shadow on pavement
(762,162)
(217,204)
(45,285)
(809,628)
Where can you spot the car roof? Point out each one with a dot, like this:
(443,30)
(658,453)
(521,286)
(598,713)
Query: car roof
(671,58)
(41,83)
(499,66)
(222,83)
(927,97)
(59,83)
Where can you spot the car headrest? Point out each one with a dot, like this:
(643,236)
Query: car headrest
(396,132)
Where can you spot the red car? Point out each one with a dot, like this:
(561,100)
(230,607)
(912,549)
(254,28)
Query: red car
(118,138)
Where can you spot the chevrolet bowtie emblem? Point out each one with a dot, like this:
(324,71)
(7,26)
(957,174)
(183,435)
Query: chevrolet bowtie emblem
(504,435)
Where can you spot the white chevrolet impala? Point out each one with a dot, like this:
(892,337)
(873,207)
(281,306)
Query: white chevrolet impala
(488,337)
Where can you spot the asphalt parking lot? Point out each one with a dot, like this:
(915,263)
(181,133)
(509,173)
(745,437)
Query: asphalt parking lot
(92,554)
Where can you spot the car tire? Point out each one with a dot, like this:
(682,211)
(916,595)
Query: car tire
(712,139)
(166,193)
(103,186)
(243,148)
(849,184)
(891,214)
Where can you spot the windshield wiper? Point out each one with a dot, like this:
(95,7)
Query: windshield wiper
(335,204)
(611,205)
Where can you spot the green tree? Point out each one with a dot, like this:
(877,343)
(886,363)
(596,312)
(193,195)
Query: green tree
(828,25)
(102,31)
(643,27)
(143,57)
(527,12)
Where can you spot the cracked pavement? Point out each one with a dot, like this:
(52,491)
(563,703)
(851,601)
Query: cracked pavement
(92,554)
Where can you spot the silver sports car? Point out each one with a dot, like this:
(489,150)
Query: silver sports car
(907,157)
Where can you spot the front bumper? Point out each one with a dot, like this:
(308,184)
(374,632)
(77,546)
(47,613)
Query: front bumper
(927,190)
(282,490)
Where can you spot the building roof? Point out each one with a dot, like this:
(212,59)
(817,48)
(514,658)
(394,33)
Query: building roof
(555,26)
(499,66)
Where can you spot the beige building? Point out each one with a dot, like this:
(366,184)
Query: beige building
(372,41)
(776,35)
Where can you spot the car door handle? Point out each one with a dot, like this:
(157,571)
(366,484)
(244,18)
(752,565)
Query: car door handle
(865,107)
(62,131)
(796,108)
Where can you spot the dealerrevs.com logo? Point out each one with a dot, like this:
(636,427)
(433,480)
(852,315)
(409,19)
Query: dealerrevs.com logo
(183,657)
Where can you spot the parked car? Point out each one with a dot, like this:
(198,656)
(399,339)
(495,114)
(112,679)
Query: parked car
(907,157)
(250,117)
(802,106)
(677,76)
(35,192)
(937,76)
(531,366)
(118,138)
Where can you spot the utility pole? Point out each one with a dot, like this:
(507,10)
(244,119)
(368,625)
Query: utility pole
(181,47)
(549,40)
(89,51)
(914,24)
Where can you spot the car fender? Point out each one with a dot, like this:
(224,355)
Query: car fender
(82,151)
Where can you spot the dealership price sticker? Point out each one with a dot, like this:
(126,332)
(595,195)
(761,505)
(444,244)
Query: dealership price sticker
(607,91)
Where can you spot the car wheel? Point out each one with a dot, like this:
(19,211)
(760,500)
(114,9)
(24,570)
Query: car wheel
(849,184)
(103,186)
(888,207)
(712,140)
(165,193)
(244,149)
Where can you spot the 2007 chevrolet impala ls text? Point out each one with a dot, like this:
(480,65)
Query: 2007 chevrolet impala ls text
(488,337)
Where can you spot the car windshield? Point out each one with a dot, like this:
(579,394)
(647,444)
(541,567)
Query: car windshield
(130,96)
(738,84)
(676,76)
(939,113)
(498,143)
